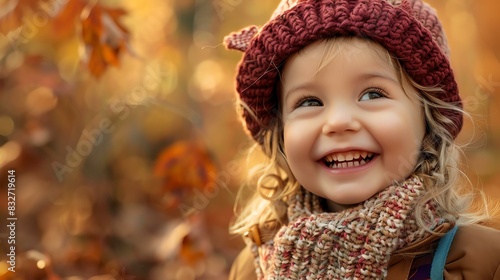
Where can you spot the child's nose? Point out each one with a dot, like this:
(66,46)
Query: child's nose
(341,119)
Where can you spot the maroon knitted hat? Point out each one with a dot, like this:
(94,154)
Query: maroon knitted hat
(408,29)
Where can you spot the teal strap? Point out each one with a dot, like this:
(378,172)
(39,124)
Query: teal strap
(439,260)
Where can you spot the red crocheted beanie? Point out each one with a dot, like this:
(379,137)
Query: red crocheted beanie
(408,29)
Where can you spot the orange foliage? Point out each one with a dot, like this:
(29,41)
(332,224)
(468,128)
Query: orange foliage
(64,22)
(12,13)
(183,167)
(189,252)
(104,37)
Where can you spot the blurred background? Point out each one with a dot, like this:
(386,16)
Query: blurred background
(118,119)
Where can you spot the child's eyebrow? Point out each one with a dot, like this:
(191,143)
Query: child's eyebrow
(302,86)
(378,74)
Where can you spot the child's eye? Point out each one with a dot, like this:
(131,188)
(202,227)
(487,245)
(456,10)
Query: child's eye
(372,93)
(308,101)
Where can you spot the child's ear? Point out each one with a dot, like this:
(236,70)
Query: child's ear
(241,39)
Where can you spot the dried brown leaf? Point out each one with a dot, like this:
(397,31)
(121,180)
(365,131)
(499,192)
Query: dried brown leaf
(184,167)
(13,13)
(105,38)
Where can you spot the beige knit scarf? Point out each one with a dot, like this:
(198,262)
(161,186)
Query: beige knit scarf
(353,244)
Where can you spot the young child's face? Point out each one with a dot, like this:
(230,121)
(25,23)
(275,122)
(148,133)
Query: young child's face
(349,129)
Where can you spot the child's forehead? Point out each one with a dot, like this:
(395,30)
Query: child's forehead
(350,47)
(320,54)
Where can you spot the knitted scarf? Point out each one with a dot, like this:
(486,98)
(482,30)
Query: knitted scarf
(353,244)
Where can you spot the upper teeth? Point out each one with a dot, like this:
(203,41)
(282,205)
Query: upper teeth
(348,156)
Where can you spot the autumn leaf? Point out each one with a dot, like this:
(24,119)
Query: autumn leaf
(104,37)
(183,167)
(64,22)
(189,252)
(12,13)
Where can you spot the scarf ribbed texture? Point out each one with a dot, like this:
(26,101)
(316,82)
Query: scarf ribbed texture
(352,244)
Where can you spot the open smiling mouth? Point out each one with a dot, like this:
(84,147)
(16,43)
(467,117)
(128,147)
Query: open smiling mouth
(351,159)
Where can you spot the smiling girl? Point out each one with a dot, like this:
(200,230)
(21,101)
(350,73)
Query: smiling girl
(347,126)
(355,105)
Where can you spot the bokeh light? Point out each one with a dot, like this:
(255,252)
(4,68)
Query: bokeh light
(6,125)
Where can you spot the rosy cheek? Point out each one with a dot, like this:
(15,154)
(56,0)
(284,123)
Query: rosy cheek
(294,137)
(395,126)
(291,132)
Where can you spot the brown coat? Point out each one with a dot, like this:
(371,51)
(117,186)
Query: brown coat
(474,255)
